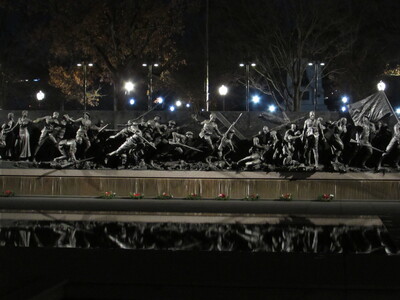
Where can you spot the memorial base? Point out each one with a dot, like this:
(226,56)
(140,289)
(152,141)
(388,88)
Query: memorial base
(269,186)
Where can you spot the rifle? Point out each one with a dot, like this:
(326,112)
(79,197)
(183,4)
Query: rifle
(366,145)
(186,146)
(230,127)
(146,141)
(75,162)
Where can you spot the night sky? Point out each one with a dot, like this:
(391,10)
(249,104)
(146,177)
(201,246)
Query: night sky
(358,41)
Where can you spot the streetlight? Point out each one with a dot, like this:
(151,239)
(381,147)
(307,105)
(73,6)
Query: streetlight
(381,86)
(223,90)
(84,65)
(345,99)
(178,103)
(129,86)
(272,108)
(131,101)
(172,108)
(40,96)
(150,84)
(247,68)
(398,110)
(317,66)
(159,100)
(344,108)
(255,99)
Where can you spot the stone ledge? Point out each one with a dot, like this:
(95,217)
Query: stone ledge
(199,174)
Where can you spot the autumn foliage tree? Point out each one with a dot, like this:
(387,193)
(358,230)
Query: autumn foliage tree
(117,36)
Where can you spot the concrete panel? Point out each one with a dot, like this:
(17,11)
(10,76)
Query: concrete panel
(236,186)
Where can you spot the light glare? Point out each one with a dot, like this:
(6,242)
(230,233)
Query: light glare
(272,108)
(344,108)
(381,86)
(131,101)
(255,99)
(223,90)
(172,108)
(129,86)
(345,99)
(40,96)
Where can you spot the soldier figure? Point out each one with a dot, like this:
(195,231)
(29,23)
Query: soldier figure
(311,132)
(47,133)
(210,128)
(68,149)
(393,144)
(84,126)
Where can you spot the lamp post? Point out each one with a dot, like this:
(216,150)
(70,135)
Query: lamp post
(223,90)
(316,65)
(40,96)
(381,86)
(84,65)
(150,83)
(247,69)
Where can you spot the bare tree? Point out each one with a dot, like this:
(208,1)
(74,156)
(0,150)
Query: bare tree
(284,36)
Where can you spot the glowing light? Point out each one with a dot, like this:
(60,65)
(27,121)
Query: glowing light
(223,90)
(156,65)
(90,64)
(398,110)
(129,86)
(345,99)
(79,65)
(253,64)
(36,79)
(343,109)
(272,108)
(187,105)
(255,99)
(322,64)
(159,100)
(172,108)
(178,103)
(40,96)
(310,64)
(131,101)
(381,86)
(241,65)
(144,65)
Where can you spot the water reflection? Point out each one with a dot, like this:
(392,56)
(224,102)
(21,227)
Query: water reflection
(290,238)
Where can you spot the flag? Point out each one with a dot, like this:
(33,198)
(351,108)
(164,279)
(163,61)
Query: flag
(375,107)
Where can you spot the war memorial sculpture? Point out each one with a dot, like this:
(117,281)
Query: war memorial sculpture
(311,143)
(364,140)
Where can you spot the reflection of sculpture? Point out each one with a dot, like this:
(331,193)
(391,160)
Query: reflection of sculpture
(24,136)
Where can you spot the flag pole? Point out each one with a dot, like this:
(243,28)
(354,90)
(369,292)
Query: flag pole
(390,105)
